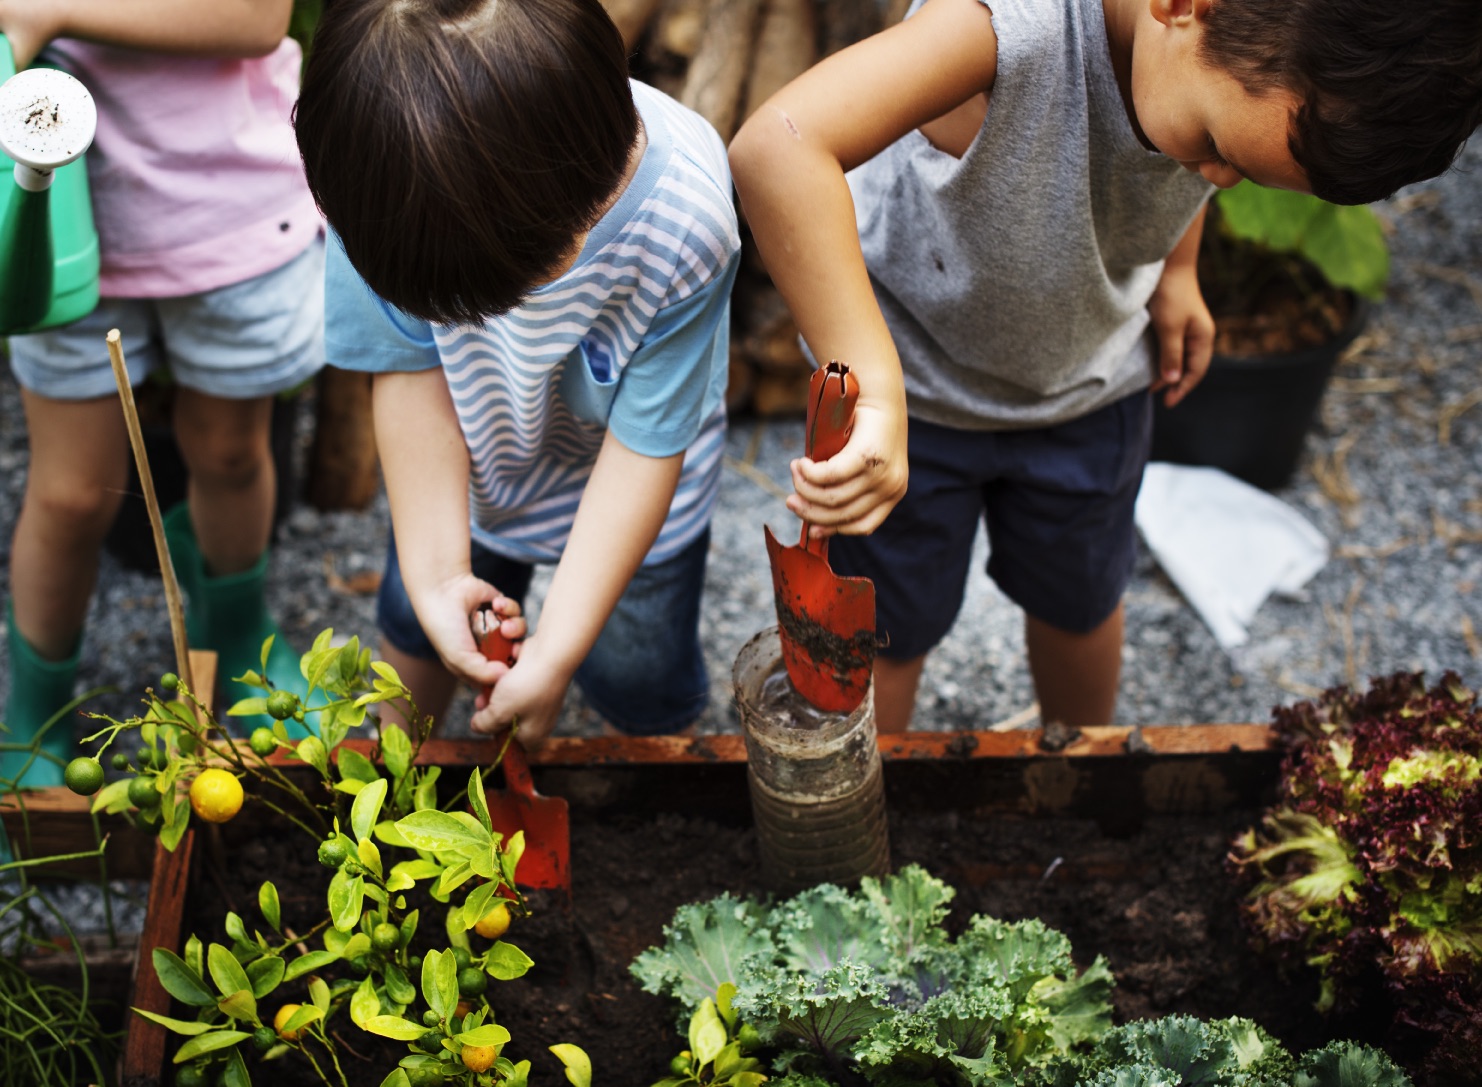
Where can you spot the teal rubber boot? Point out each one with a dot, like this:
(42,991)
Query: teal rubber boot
(229,614)
(39,689)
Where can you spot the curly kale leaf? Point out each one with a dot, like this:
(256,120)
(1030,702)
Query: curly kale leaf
(1178,1050)
(827,1013)
(704,948)
(1346,1064)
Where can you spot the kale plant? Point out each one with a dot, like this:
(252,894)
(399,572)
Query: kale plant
(870,988)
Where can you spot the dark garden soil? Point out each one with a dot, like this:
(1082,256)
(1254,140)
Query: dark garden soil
(1157,904)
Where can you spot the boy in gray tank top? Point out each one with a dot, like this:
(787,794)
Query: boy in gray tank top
(992,213)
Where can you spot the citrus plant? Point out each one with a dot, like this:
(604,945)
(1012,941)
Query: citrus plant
(266,991)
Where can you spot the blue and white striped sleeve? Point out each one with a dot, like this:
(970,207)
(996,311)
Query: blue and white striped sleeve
(364,332)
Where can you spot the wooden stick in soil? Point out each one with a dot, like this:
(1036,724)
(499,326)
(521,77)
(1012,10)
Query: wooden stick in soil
(151,503)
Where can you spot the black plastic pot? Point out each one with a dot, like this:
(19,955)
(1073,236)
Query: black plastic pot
(1251,413)
(131,541)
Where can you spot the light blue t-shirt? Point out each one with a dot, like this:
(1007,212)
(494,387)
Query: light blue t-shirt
(634,338)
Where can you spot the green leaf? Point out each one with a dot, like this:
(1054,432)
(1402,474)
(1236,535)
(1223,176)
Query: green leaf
(1347,245)
(356,767)
(440,982)
(319,994)
(394,1026)
(396,1078)
(240,1005)
(174,830)
(226,971)
(267,902)
(266,973)
(507,962)
(369,855)
(115,792)
(365,1005)
(478,800)
(707,1034)
(488,1034)
(179,1026)
(477,903)
(309,961)
(387,834)
(441,831)
(346,899)
(578,1065)
(366,807)
(235,1073)
(209,1043)
(180,981)
(248,707)
(398,987)
(312,751)
(453,878)
(396,749)
(405,874)
(306,1014)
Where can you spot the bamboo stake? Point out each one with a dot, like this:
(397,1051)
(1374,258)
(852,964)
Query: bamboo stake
(151,503)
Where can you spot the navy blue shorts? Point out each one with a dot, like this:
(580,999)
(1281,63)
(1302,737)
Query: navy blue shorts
(645,675)
(1057,503)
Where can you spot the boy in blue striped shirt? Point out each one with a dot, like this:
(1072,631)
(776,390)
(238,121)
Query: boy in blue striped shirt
(534,256)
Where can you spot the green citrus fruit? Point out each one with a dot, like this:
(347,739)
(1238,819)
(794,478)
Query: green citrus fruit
(680,1065)
(282,705)
(425,1075)
(332,852)
(143,794)
(188,742)
(169,681)
(215,795)
(472,981)
(430,1018)
(121,761)
(263,742)
(462,957)
(385,937)
(431,1042)
(190,1076)
(264,1039)
(150,758)
(84,776)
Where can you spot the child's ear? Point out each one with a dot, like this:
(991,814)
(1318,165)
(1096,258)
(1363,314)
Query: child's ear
(1173,13)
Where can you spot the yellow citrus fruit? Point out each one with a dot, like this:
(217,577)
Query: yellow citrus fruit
(478,1058)
(285,1013)
(495,923)
(216,795)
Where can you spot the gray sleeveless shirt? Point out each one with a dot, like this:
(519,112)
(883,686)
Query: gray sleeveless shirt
(1015,280)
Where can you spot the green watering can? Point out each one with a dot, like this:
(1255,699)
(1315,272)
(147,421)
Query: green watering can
(48,247)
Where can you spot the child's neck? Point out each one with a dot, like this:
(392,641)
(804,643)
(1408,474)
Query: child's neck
(1122,17)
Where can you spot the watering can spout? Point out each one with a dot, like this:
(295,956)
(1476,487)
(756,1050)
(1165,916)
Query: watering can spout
(47,120)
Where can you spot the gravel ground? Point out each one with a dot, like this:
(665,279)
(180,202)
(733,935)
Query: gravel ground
(1391,477)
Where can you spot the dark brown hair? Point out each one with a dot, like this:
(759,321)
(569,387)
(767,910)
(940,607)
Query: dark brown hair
(1390,89)
(460,147)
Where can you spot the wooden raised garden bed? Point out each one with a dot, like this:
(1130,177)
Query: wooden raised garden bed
(1117,839)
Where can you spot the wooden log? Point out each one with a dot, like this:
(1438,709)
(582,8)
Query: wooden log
(143,1062)
(631,17)
(717,74)
(786,47)
(844,22)
(343,470)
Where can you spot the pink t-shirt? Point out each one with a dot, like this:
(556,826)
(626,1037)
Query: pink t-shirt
(196,178)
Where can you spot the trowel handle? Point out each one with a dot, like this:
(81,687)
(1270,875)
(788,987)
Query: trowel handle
(491,642)
(832,392)
(516,767)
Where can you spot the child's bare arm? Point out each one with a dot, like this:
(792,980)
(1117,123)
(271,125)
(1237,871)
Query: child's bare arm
(621,512)
(1182,320)
(789,161)
(425,464)
(221,28)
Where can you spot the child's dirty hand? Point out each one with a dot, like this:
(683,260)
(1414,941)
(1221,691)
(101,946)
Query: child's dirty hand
(1185,331)
(444,614)
(854,490)
(530,693)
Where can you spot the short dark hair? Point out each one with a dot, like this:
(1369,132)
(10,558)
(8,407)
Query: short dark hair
(460,147)
(1390,90)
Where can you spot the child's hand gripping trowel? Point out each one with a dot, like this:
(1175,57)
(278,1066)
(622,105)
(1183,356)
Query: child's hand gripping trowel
(546,862)
(826,622)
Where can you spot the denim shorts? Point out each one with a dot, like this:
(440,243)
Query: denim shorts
(248,340)
(646,673)
(1057,503)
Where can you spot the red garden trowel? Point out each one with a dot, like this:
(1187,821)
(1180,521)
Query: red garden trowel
(546,863)
(826,622)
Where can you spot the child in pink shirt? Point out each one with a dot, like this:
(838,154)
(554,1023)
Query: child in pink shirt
(212,266)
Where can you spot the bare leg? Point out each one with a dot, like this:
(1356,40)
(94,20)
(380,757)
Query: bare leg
(895,692)
(73,490)
(232,488)
(1076,675)
(431,684)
